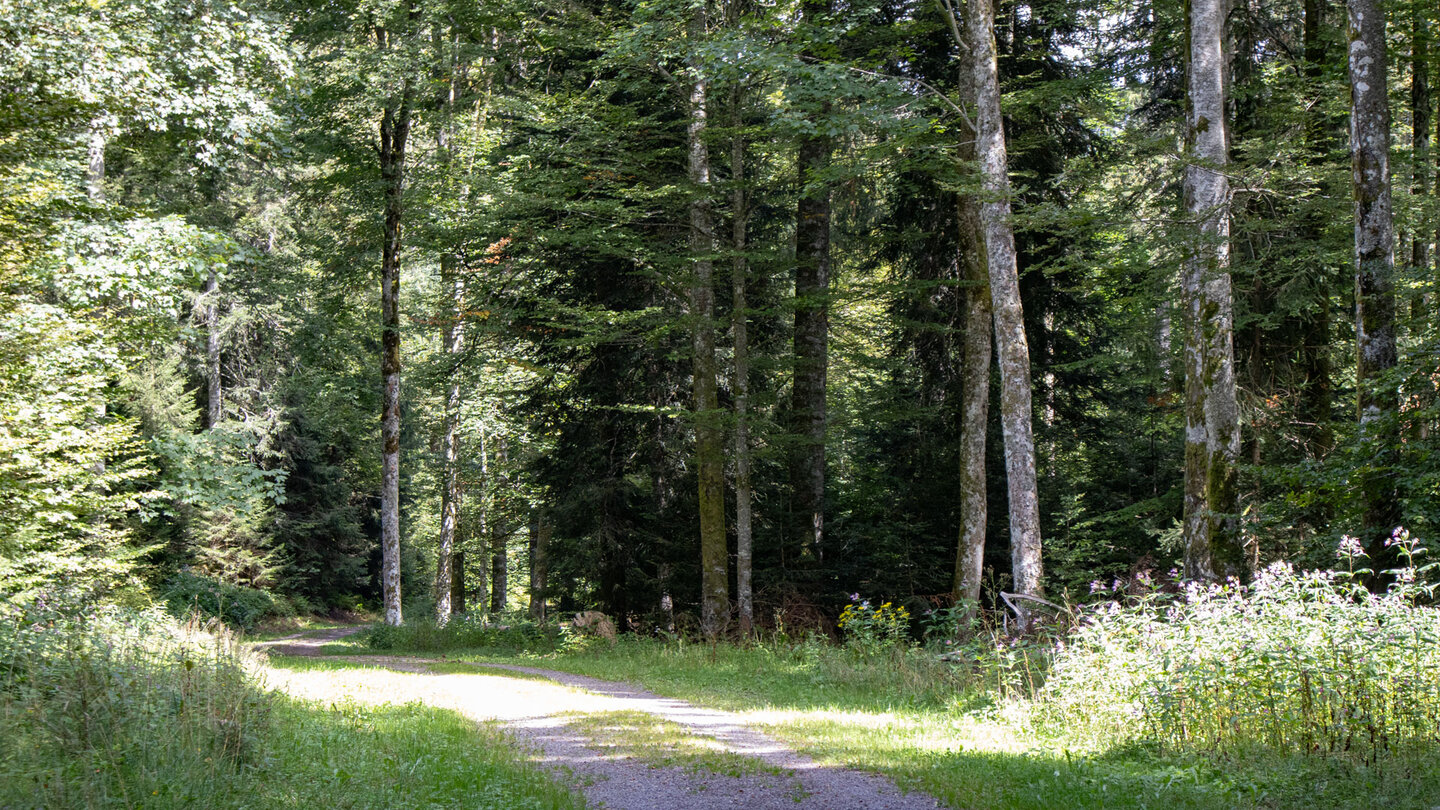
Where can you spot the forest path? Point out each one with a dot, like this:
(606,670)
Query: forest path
(564,718)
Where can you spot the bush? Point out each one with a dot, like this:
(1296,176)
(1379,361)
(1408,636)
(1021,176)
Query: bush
(467,631)
(1297,662)
(238,607)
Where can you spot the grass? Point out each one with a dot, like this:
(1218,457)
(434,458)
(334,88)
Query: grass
(112,708)
(665,744)
(905,715)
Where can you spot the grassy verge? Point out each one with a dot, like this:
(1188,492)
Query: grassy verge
(112,708)
(912,718)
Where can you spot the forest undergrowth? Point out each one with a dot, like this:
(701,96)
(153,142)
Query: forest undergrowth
(1299,690)
(124,708)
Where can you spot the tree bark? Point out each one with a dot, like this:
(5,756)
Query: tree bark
(214,396)
(452,344)
(812,328)
(96,140)
(1011,347)
(1317,397)
(709,436)
(539,563)
(499,539)
(1420,133)
(394,130)
(739,276)
(1374,269)
(1213,548)
(975,357)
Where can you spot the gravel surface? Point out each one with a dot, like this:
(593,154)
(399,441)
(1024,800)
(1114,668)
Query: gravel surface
(535,712)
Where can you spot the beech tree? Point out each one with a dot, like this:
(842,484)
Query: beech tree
(1212,417)
(1012,349)
(1374,257)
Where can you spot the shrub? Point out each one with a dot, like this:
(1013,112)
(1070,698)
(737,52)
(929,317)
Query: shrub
(467,631)
(1295,663)
(238,607)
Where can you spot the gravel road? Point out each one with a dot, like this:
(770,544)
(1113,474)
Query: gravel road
(539,713)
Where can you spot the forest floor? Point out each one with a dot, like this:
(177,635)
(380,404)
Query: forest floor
(620,746)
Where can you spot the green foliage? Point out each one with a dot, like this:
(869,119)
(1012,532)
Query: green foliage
(239,607)
(102,707)
(870,630)
(68,468)
(1296,663)
(471,631)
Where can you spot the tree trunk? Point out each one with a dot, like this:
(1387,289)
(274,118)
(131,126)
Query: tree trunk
(95,159)
(499,539)
(1374,270)
(1420,131)
(1213,548)
(452,343)
(457,583)
(539,563)
(812,329)
(975,358)
(215,402)
(739,275)
(709,436)
(394,130)
(975,402)
(1317,397)
(1009,318)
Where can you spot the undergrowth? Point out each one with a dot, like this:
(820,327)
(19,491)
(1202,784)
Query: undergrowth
(467,632)
(103,707)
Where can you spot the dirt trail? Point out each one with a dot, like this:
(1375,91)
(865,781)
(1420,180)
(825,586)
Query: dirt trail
(540,713)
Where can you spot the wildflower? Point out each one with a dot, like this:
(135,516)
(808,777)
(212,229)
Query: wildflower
(1349,547)
(1096,586)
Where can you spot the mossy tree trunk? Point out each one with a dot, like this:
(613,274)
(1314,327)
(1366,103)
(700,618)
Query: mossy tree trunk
(1213,548)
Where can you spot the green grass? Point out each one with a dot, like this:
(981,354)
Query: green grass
(131,710)
(664,744)
(911,718)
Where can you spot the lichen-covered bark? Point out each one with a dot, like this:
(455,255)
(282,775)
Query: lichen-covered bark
(974,364)
(500,536)
(1374,267)
(812,328)
(709,435)
(452,343)
(1213,548)
(394,130)
(1010,344)
(740,385)
(975,404)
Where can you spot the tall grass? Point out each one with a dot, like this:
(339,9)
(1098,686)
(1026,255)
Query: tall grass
(101,707)
(1299,663)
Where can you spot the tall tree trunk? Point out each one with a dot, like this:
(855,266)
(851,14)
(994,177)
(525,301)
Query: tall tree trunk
(1213,548)
(739,276)
(975,402)
(1374,269)
(976,353)
(452,344)
(709,436)
(457,583)
(482,519)
(539,562)
(500,537)
(394,130)
(1420,133)
(215,398)
(812,324)
(1010,344)
(1317,396)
